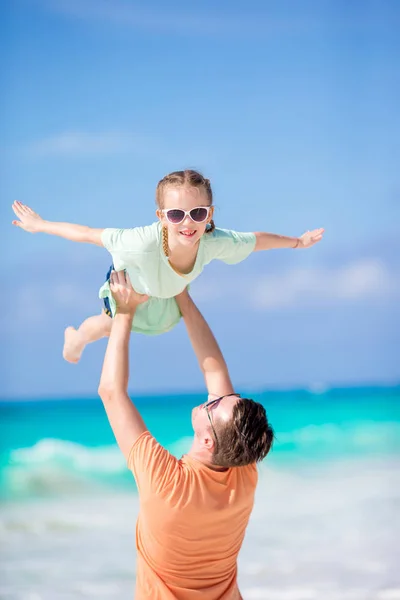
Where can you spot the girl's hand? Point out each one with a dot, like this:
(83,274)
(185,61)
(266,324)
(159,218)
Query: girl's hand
(28,219)
(309,238)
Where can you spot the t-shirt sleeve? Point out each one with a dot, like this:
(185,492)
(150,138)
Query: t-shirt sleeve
(125,245)
(151,464)
(230,246)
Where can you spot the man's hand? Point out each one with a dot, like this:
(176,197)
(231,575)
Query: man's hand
(126,298)
(309,238)
(28,219)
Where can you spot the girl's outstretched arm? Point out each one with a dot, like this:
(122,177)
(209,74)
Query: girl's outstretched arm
(32,222)
(271,241)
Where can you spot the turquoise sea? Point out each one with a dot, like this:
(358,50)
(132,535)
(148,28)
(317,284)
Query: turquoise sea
(324,524)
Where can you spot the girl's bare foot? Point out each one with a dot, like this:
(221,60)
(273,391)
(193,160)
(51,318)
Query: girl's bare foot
(73,346)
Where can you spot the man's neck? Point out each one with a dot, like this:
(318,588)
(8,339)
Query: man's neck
(204,458)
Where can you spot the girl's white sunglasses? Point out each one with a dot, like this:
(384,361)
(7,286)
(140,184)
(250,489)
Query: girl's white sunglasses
(177,215)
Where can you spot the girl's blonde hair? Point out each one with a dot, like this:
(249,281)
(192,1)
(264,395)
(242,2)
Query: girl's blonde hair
(188,178)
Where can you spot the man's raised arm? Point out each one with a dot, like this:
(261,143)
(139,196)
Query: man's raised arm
(124,418)
(208,353)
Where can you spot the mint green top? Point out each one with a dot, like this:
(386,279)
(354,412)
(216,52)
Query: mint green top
(140,252)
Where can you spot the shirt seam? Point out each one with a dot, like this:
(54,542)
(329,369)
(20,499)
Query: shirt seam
(144,433)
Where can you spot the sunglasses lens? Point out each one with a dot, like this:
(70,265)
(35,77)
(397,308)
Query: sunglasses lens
(199,214)
(175,215)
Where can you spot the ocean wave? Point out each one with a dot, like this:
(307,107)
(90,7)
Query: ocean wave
(367,436)
(54,467)
(103,459)
(57,467)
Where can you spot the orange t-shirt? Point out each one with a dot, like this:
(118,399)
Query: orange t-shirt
(191,524)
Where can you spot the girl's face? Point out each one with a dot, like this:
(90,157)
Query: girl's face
(188,232)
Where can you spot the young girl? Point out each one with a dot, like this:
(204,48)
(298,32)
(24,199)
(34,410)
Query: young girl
(161,259)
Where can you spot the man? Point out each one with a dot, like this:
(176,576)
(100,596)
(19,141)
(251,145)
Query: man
(193,511)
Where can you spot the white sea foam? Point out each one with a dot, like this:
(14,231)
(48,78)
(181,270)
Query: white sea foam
(59,467)
(104,459)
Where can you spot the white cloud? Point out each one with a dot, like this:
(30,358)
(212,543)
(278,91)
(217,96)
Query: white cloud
(83,144)
(357,282)
(28,309)
(79,143)
(137,15)
(36,304)
(362,280)
(66,294)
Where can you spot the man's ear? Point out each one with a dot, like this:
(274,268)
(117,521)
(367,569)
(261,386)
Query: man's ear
(208,442)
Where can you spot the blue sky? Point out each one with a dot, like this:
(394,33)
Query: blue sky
(291,109)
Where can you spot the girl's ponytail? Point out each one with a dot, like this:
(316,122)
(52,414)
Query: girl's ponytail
(210,227)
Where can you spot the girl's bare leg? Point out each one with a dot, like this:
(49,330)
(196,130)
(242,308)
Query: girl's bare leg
(91,330)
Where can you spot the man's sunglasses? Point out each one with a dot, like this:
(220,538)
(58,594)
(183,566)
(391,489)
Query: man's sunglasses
(214,403)
(177,215)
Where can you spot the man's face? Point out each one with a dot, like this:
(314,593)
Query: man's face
(210,412)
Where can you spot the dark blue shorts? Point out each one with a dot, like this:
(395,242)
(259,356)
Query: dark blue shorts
(106,301)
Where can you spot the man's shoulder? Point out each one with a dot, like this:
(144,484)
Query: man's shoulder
(147,452)
(147,441)
(152,465)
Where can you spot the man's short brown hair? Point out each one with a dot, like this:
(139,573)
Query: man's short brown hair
(246,438)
